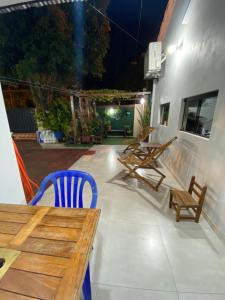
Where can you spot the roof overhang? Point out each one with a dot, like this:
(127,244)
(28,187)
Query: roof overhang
(166,20)
(7,6)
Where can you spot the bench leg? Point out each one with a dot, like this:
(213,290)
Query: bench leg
(87,285)
(198,214)
(178,214)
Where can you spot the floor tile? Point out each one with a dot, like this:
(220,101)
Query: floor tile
(105,292)
(133,261)
(197,258)
(189,296)
(140,251)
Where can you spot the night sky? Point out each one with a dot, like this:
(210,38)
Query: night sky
(124,60)
(123,50)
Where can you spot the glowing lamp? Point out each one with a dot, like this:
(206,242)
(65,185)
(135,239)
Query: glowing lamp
(171,49)
(142,101)
(111,111)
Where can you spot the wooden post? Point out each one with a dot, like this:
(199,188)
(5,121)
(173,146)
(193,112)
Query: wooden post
(74,122)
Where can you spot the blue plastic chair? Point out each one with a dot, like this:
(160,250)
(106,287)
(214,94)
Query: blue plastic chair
(72,196)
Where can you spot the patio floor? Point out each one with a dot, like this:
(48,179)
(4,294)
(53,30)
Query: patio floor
(140,252)
(40,162)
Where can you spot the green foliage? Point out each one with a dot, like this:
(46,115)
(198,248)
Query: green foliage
(95,126)
(96,33)
(39,45)
(107,95)
(144,117)
(57,117)
(106,120)
(92,127)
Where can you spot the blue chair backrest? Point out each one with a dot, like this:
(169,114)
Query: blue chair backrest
(69,192)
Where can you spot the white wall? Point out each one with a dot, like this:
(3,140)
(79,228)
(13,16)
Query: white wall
(198,67)
(11,190)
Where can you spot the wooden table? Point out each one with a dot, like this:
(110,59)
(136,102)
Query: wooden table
(55,244)
(150,145)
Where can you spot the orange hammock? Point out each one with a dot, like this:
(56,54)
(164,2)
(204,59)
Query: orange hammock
(26,181)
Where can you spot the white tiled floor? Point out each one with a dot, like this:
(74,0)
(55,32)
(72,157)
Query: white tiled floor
(140,252)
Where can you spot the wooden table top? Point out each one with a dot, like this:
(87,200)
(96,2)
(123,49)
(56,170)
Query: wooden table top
(55,244)
(150,145)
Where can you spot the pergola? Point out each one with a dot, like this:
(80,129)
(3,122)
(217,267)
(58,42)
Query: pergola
(7,6)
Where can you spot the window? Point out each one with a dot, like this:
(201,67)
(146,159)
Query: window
(164,113)
(198,114)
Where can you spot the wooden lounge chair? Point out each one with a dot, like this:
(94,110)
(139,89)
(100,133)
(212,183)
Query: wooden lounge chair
(141,138)
(135,161)
(192,201)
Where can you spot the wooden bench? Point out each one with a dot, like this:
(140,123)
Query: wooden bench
(25,136)
(192,201)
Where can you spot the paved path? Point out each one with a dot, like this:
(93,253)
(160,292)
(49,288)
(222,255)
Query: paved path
(140,252)
(40,162)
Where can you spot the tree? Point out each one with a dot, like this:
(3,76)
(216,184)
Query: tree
(42,45)
(97,29)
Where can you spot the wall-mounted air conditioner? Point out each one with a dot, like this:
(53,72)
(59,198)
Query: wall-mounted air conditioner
(153,59)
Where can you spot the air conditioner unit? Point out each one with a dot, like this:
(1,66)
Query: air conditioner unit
(153,59)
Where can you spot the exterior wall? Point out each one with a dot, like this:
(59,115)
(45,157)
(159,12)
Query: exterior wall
(11,190)
(197,67)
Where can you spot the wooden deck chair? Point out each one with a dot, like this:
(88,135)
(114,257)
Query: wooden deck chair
(141,138)
(134,161)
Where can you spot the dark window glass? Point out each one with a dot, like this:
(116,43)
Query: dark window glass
(198,114)
(164,113)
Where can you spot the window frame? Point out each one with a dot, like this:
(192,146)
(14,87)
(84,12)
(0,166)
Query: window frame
(161,112)
(200,99)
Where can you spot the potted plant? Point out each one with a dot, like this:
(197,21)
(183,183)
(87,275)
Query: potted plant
(96,130)
(57,118)
(107,125)
(86,135)
(90,131)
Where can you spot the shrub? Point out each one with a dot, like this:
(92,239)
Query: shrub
(58,116)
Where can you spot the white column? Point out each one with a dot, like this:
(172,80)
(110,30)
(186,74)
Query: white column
(153,105)
(11,189)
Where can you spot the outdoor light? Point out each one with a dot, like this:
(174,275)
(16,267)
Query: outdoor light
(33,3)
(142,101)
(111,111)
(171,49)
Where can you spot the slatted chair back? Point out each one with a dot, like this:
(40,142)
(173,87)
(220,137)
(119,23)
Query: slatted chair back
(68,187)
(145,133)
(134,147)
(153,155)
(197,191)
